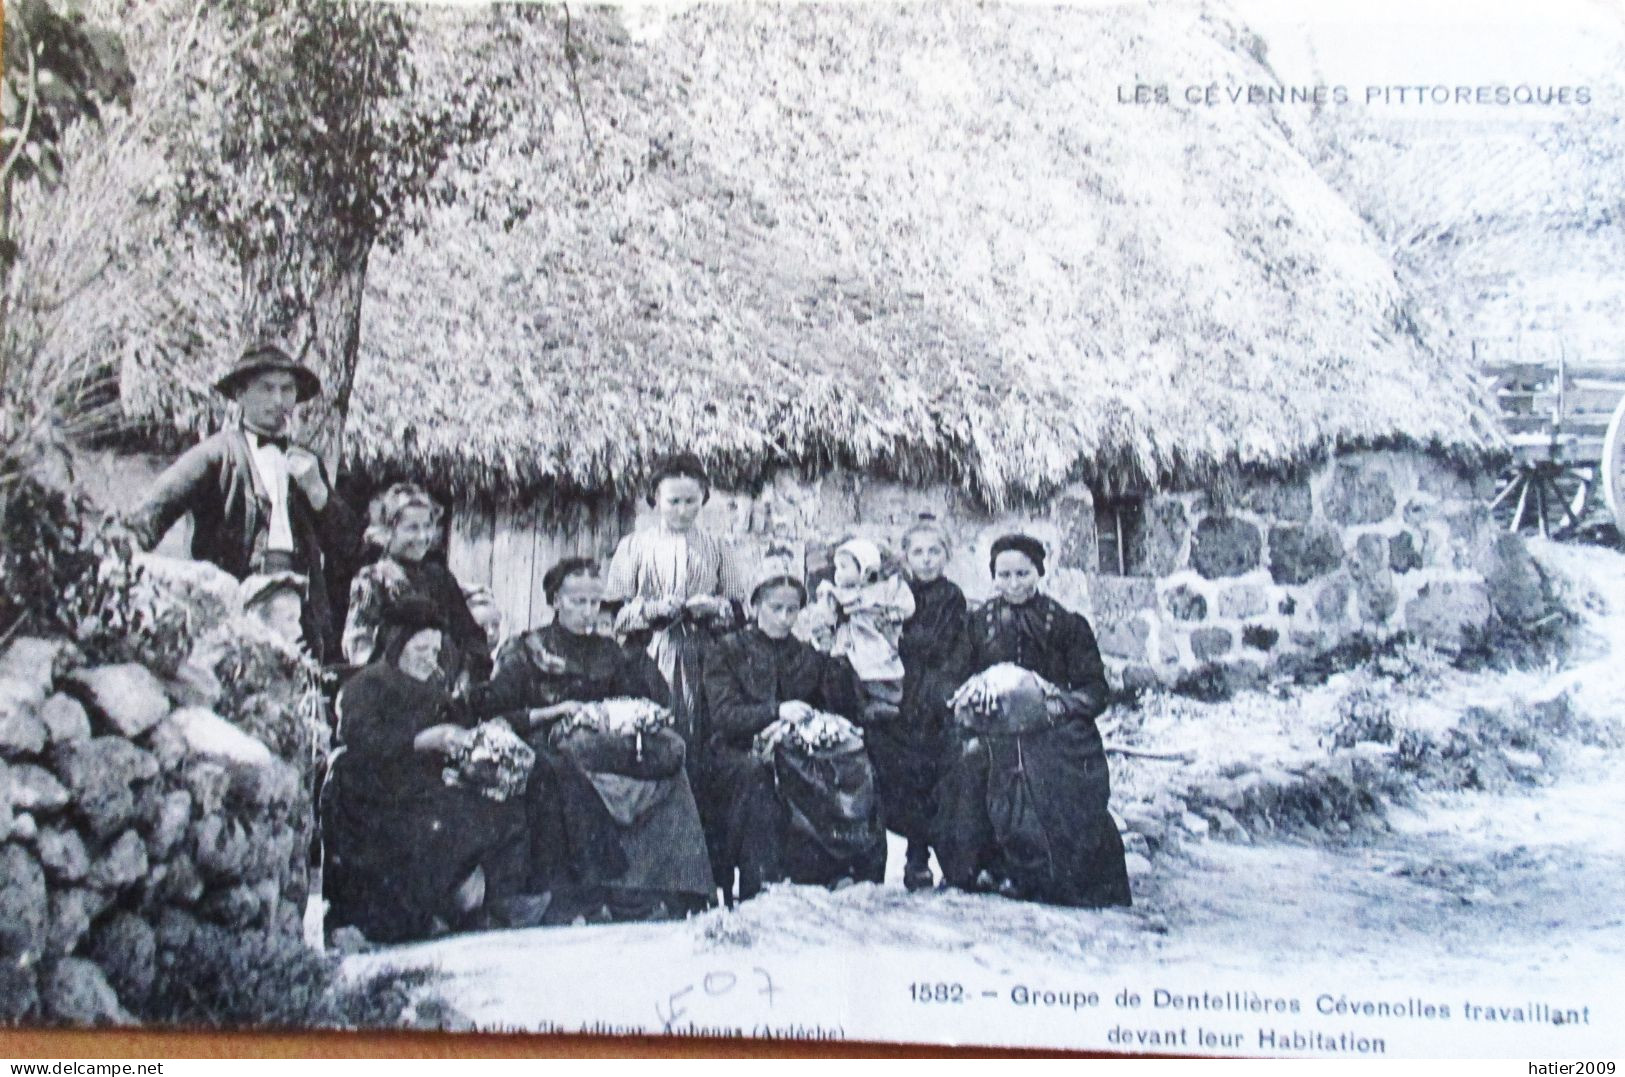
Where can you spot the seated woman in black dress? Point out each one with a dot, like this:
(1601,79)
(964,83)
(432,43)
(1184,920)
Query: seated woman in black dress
(753,679)
(614,835)
(403,848)
(1025,813)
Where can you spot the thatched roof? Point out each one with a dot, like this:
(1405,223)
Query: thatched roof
(1504,228)
(924,240)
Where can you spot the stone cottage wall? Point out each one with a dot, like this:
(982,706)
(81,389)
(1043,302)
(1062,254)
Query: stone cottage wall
(127,818)
(1374,542)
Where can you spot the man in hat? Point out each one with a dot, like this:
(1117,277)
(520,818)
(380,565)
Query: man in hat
(258,503)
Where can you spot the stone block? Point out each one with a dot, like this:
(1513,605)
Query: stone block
(1259,637)
(167,744)
(19,991)
(208,783)
(1472,527)
(1443,481)
(1514,581)
(1138,678)
(1209,643)
(194,685)
(1442,611)
(62,854)
(1287,500)
(35,789)
(1403,553)
(1225,546)
(126,948)
(221,847)
(22,734)
(1185,604)
(1123,639)
(1243,676)
(1357,494)
(21,826)
(235,907)
(126,697)
(259,787)
(99,773)
(36,663)
(1116,598)
(65,719)
(176,930)
(1137,865)
(24,905)
(168,822)
(209,736)
(181,884)
(1374,591)
(72,910)
(1164,529)
(74,991)
(1421,511)
(1332,602)
(121,864)
(1241,600)
(1299,554)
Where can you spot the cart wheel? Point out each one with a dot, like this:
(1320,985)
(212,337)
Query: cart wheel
(1613,467)
(1545,497)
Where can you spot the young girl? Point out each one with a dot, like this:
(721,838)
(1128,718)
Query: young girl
(868,610)
(907,753)
(405,523)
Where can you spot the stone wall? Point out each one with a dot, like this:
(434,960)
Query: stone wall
(129,813)
(1371,542)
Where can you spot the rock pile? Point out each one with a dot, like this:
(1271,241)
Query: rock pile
(127,818)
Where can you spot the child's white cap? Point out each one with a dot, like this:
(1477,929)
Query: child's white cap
(865,553)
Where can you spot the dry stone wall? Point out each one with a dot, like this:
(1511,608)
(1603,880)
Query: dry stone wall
(130,813)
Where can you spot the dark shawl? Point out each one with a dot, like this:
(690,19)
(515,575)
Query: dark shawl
(748,675)
(398,840)
(1032,808)
(580,852)
(906,753)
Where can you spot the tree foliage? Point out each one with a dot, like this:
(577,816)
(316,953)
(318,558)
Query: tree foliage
(306,136)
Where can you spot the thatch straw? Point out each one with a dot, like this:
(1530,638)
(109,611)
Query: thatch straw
(1504,226)
(924,240)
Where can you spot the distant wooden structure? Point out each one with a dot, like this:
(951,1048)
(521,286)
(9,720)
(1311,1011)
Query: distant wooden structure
(1562,416)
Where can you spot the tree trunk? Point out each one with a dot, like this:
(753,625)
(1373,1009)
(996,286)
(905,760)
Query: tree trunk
(312,307)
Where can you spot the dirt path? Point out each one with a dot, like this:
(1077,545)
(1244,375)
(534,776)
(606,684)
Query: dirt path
(1510,903)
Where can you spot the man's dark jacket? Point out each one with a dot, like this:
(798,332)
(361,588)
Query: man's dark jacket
(216,483)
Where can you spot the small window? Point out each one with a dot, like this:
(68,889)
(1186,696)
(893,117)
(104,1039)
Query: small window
(1120,527)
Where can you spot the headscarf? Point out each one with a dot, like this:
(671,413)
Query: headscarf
(402,619)
(866,554)
(385,511)
(1025,545)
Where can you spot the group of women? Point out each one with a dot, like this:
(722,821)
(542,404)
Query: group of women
(701,803)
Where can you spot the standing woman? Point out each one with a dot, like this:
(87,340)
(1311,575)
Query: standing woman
(405,524)
(1025,812)
(907,753)
(678,588)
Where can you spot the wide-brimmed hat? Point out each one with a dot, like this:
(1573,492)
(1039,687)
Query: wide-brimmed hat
(260,358)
